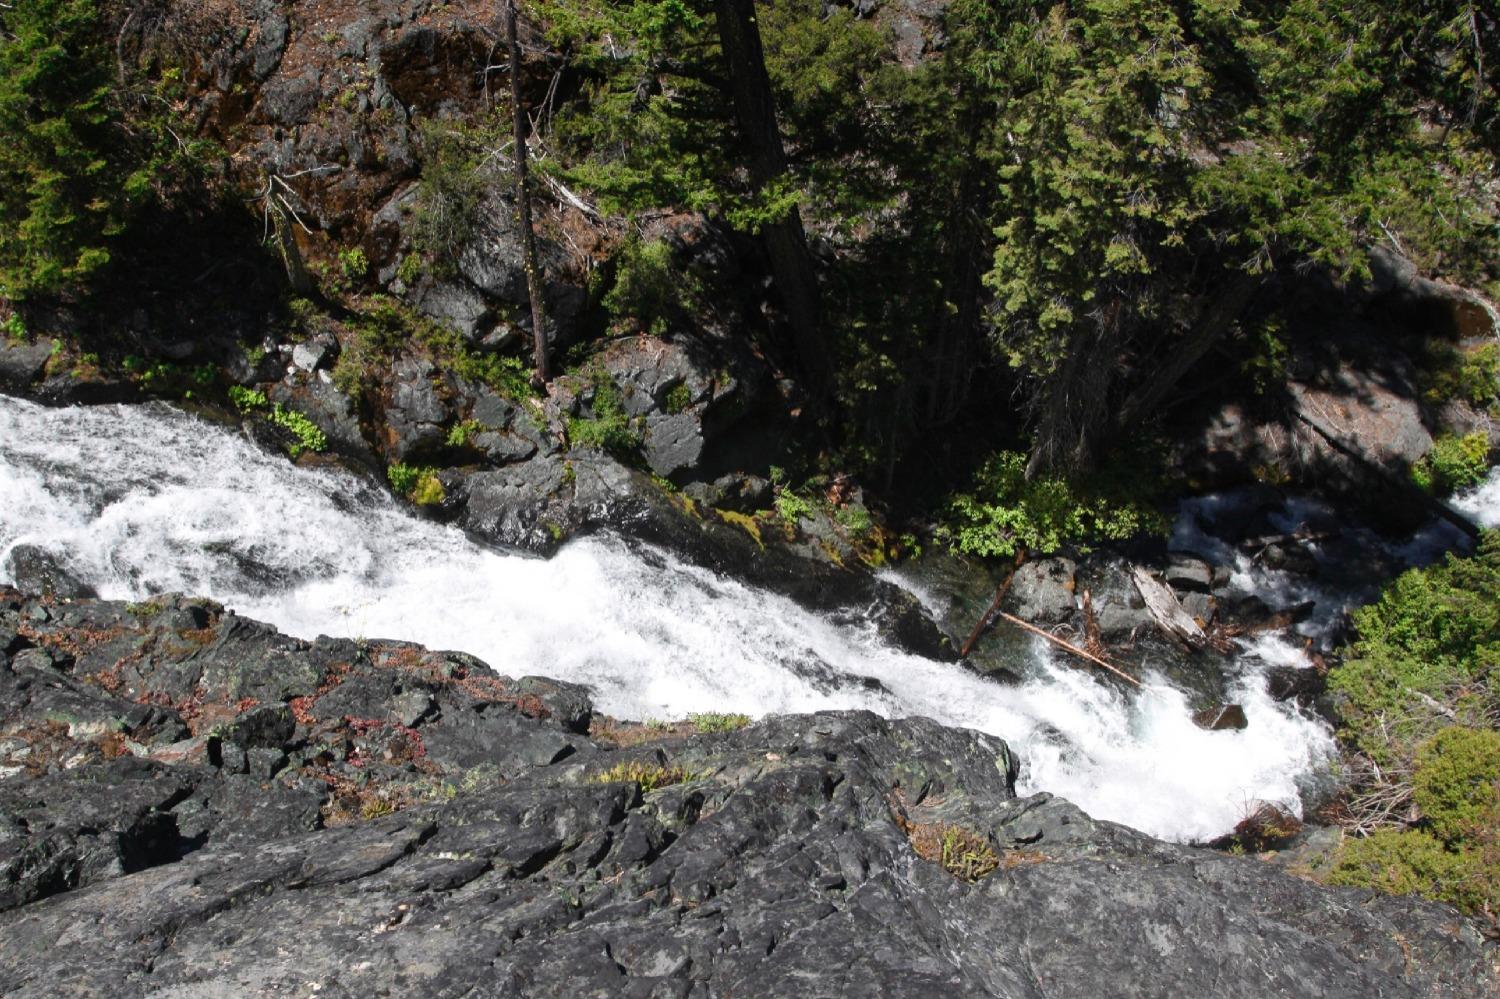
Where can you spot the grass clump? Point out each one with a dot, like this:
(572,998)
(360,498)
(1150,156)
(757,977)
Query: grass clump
(713,722)
(418,483)
(962,852)
(649,777)
(305,433)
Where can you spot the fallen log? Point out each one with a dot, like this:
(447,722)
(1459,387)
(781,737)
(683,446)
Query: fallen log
(1167,612)
(984,619)
(1070,647)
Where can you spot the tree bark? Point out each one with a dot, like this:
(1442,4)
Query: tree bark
(1219,315)
(283,225)
(785,241)
(523,201)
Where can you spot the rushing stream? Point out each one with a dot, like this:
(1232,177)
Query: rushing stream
(143,499)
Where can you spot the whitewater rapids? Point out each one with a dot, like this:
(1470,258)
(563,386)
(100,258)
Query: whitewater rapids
(139,500)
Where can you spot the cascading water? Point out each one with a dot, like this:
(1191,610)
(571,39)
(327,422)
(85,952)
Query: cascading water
(142,500)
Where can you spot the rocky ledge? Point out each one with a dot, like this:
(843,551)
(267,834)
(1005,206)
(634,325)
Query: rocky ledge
(192,804)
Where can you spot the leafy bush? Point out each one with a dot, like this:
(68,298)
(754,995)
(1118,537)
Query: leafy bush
(1453,463)
(792,507)
(1457,781)
(247,399)
(1473,376)
(1433,637)
(1410,862)
(1417,696)
(418,483)
(607,427)
(13,327)
(462,432)
(306,433)
(353,264)
(1006,511)
(651,290)
(679,397)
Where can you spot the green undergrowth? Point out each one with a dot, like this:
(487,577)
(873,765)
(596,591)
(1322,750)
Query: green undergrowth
(606,427)
(306,435)
(1472,376)
(1418,694)
(418,483)
(1453,463)
(1005,511)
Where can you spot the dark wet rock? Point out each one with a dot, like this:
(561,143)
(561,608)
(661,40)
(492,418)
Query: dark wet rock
(1221,717)
(416,414)
(469,841)
(22,362)
(1303,684)
(40,571)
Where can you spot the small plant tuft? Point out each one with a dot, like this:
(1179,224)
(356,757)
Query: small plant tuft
(649,777)
(247,400)
(308,436)
(713,722)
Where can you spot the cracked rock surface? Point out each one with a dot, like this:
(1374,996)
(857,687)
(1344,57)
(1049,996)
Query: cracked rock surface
(195,805)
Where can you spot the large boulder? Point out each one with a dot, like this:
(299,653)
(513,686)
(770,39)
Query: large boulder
(831,854)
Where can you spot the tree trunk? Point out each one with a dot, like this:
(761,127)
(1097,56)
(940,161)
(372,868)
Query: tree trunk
(785,241)
(1219,315)
(286,242)
(523,201)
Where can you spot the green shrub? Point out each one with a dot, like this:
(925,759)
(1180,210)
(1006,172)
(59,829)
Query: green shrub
(607,427)
(855,519)
(1433,637)
(1473,376)
(1006,511)
(1457,781)
(1453,463)
(462,432)
(418,483)
(247,399)
(308,436)
(353,264)
(650,290)
(451,192)
(791,507)
(679,398)
(1409,862)
(14,328)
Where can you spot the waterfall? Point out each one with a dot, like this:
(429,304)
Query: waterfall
(138,500)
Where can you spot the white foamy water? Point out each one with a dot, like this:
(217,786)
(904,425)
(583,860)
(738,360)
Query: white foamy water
(1482,503)
(143,500)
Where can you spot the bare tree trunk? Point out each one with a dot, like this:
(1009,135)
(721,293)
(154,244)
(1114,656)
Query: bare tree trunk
(785,241)
(1219,315)
(523,201)
(286,242)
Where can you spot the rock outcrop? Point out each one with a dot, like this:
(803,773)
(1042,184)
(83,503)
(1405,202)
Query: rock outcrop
(195,805)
